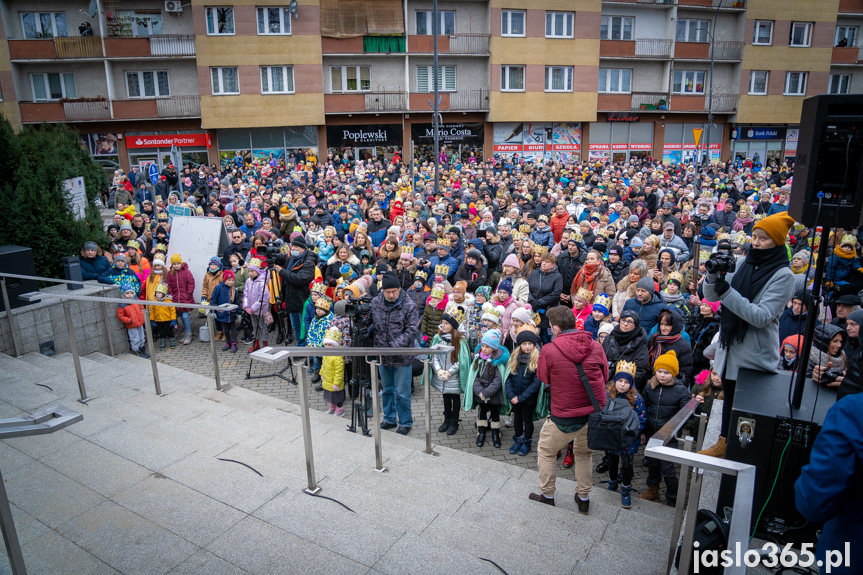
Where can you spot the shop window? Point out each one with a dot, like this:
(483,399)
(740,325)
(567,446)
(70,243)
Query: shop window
(795,83)
(446,79)
(225,81)
(801,34)
(763,35)
(559,24)
(446,26)
(512,22)
(688,82)
(43,24)
(350,78)
(53,86)
(839,83)
(512,78)
(758,82)
(615,81)
(689,30)
(558,78)
(146,84)
(220,21)
(276,20)
(616,28)
(845,36)
(277,79)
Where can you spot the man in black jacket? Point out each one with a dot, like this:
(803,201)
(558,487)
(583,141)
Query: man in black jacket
(237,246)
(545,286)
(298,273)
(568,265)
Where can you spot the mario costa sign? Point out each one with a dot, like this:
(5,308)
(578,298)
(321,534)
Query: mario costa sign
(448,133)
(365,135)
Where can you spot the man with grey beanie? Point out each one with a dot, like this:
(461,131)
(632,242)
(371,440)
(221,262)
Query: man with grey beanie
(646,303)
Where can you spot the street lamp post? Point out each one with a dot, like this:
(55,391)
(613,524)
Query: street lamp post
(706,159)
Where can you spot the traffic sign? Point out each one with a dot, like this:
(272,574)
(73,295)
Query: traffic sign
(154,174)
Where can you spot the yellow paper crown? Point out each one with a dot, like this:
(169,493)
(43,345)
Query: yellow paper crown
(524,228)
(441,270)
(624,366)
(333,334)
(517,236)
(329,232)
(677,277)
(585,294)
(132,244)
(603,300)
(421,274)
(846,239)
(576,235)
(741,238)
(409,250)
(255,262)
(437,292)
(324,303)
(541,250)
(443,242)
(319,288)
(455,312)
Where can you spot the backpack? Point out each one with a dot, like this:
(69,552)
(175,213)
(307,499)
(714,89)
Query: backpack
(612,428)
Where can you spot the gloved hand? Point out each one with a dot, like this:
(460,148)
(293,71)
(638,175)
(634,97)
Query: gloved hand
(442,374)
(721,286)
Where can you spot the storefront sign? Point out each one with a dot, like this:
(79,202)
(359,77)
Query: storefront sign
(508,137)
(566,137)
(593,147)
(472,133)
(622,117)
(791,142)
(755,133)
(640,146)
(159,141)
(364,135)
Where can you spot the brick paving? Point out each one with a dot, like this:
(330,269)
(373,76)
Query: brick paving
(197,358)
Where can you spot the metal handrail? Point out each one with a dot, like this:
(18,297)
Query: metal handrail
(278,354)
(738,532)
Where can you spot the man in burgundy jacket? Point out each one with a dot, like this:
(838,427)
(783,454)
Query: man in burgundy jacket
(570,403)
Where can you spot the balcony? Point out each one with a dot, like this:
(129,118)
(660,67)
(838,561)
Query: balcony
(701,50)
(72,47)
(632,102)
(713,4)
(396,101)
(847,56)
(659,49)
(455,44)
(850,6)
(656,3)
(162,45)
(722,103)
(85,111)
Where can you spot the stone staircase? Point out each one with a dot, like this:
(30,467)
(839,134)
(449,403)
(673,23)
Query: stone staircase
(148,484)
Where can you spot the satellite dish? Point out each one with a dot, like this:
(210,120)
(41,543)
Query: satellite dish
(292,7)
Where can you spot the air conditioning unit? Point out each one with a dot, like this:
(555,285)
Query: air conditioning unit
(173,6)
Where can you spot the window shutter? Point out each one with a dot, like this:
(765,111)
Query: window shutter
(423,79)
(449,77)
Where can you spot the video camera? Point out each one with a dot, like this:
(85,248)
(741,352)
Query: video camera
(274,254)
(722,260)
(359,310)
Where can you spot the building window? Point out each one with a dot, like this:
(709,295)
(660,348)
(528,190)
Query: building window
(559,24)
(763,35)
(616,28)
(846,33)
(53,86)
(688,82)
(446,26)
(795,83)
(558,78)
(147,84)
(43,24)
(512,78)
(512,22)
(801,34)
(274,21)
(839,83)
(350,78)
(446,79)
(758,82)
(277,79)
(693,30)
(225,81)
(614,81)
(220,21)
(144,23)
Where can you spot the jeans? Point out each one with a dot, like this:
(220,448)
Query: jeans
(187,323)
(316,363)
(297,327)
(396,394)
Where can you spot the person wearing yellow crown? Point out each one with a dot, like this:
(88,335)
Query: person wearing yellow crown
(333,374)
(600,314)
(623,385)
(449,375)
(842,268)
(672,296)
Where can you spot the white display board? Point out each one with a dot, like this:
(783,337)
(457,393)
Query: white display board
(197,239)
(76,196)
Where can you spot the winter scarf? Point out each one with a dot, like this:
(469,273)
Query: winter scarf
(656,344)
(588,274)
(740,223)
(751,277)
(624,337)
(668,298)
(843,252)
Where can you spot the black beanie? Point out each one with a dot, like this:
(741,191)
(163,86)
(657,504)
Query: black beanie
(390,281)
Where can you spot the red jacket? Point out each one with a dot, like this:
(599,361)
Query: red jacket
(181,286)
(131,315)
(558,224)
(557,368)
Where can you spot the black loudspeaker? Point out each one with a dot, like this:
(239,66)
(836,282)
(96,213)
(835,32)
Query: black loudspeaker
(762,413)
(829,160)
(17,260)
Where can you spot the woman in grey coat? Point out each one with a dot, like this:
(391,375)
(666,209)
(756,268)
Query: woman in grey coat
(753,298)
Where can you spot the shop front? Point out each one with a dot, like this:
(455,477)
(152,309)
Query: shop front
(267,145)
(148,148)
(365,142)
(538,141)
(460,142)
(680,144)
(760,144)
(620,140)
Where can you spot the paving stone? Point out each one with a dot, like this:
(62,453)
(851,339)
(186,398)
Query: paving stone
(414,555)
(97,468)
(205,563)
(52,552)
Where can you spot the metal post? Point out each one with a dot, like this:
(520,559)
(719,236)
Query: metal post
(73,345)
(702,427)
(13,327)
(107,315)
(211,327)
(706,160)
(151,348)
(436,103)
(678,510)
(427,385)
(376,413)
(10,535)
(691,513)
(307,429)
(741,519)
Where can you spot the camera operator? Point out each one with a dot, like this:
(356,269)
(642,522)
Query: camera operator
(297,273)
(396,322)
(753,297)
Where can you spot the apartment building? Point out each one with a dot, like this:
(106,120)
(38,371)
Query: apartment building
(589,79)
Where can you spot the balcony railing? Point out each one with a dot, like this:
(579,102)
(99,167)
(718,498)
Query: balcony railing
(722,4)
(722,102)
(653,48)
(650,101)
(179,107)
(723,50)
(172,45)
(452,44)
(87,110)
(384,101)
(78,47)
(468,100)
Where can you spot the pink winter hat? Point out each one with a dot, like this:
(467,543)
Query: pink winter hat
(512,261)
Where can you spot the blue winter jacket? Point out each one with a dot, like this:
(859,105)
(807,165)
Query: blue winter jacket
(222,294)
(91,269)
(648,312)
(523,384)
(543,237)
(435,261)
(828,487)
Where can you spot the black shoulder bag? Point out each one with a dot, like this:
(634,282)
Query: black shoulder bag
(612,428)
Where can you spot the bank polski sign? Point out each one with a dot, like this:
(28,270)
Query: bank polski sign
(758,133)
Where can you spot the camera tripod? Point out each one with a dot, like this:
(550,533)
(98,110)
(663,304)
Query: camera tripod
(359,386)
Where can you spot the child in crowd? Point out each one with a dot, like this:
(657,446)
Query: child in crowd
(212,278)
(486,381)
(256,303)
(238,266)
(623,385)
(708,385)
(315,335)
(492,316)
(317,289)
(604,331)
(476,328)
(163,316)
(664,395)
(226,292)
(333,369)
(419,291)
(181,286)
(132,316)
(790,352)
(581,306)
(449,375)
(599,315)
(522,389)
(432,314)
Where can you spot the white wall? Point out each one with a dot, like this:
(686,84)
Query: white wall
(729,26)
(89,78)
(650,23)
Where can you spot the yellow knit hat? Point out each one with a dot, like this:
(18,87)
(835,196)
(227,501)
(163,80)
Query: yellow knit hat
(668,362)
(776,226)
(176,259)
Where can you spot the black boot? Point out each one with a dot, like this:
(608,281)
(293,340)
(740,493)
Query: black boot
(453,425)
(495,433)
(603,465)
(480,435)
(446,423)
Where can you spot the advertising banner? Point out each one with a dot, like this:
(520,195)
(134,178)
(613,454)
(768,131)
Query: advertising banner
(362,136)
(535,139)
(508,138)
(201,140)
(791,138)
(471,133)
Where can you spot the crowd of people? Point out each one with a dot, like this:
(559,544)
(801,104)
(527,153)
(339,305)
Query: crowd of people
(548,279)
